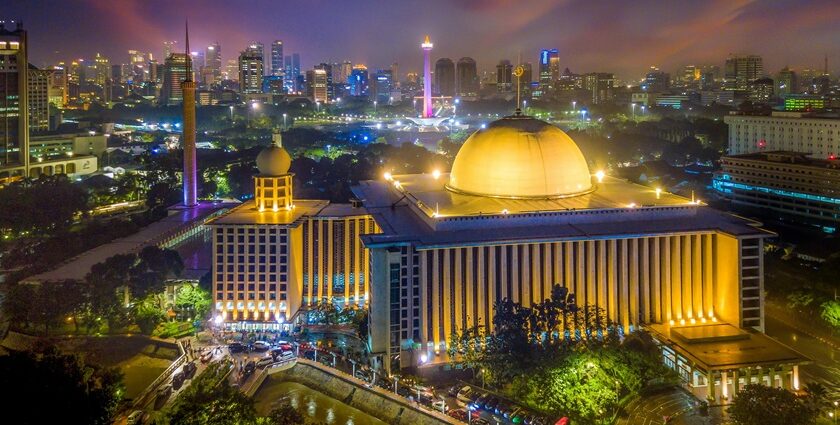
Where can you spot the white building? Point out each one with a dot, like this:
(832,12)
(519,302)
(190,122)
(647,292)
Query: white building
(784,131)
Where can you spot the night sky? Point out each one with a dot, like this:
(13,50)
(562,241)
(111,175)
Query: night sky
(625,37)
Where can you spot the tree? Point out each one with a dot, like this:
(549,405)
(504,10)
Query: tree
(762,405)
(76,392)
(210,400)
(830,312)
(285,415)
(192,301)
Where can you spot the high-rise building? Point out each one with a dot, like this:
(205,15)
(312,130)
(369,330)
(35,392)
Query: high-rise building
(384,84)
(467,81)
(102,67)
(169,48)
(504,81)
(600,85)
(38,82)
(292,70)
(444,77)
(58,85)
(344,70)
(175,70)
(549,70)
(317,85)
(395,74)
(213,63)
(251,69)
(14,124)
(656,81)
(358,81)
(330,86)
(277,64)
(231,71)
(784,131)
(761,90)
(741,70)
(787,82)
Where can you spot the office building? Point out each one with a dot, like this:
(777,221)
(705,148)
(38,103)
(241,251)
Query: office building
(358,81)
(741,70)
(102,70)
(804,102)
(504,74)
(278,67)
(600,86)
(175,72)
(395,74)
(466,83)
(691,76)
(549,69)
(384,85)
(317,85)
(14,124)
(656,81)
(521,212)
(784,131)
(782,186)
(444,77)
(762,91)
(292,70)
(251,69)
(787,82)
(212,64)
(328,69)
(38,82)
(274,255)
(58,86)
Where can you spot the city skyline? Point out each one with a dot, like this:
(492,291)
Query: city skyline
(685,33)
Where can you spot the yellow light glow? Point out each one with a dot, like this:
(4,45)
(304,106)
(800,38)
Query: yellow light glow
(436,174)
(599,175)
(693,321)
(631,205)
(387,176)
(682,322)
(658,192)
(714,319)
(671,322)
(703,320)
(397,184)
(505,212)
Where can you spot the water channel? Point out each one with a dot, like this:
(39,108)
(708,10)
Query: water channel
(316,406)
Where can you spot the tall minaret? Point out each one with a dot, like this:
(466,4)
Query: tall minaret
(188,136)
(427,45)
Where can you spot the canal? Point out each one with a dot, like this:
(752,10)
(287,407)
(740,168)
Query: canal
(314,405)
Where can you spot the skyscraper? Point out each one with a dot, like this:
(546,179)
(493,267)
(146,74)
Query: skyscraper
(600,86)
(427,46)
(358,81)
(741,70)
(38,82)
(292,65)
(444,77)
(251,69)
(213,63)
(656,81)
(787,82)
(504,82)
(467,78)
(395,74)
(384,84)
(174,72)
(14,131)
(328,69)
(168,48)
(277,67)
(549,69)
(102,66)
(316,85)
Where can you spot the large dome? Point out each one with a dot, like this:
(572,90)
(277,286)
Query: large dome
(273,161)
(520,157)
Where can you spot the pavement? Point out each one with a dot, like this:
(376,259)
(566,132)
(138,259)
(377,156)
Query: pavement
(672,406)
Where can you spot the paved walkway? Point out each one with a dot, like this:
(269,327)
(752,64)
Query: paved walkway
(674,403)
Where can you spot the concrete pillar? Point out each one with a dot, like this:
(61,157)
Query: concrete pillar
(711,396)
(795,377)
(724,388)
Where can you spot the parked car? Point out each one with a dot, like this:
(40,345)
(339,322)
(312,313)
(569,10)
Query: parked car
(490,404)
(261,346)
(516,416)
(478,403)
(189,370)
(459,414)
(164,391)
(178,380)
(463,395)
(237,347)
(249,368)
(135,418)
(440,405)
(207,356)
(265,361)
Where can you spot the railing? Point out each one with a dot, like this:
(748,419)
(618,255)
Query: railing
(139,401)
(255,384)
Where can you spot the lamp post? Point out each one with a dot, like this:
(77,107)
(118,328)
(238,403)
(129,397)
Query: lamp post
(231,114)
(633,106)
(574,102)
(284,121)
(414,105)
(525,106)
(333,354)
(374,107)
(353,362)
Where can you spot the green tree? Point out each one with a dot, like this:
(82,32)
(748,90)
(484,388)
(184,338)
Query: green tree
(192,301)
(147,315)
(77,393)
(830,312)
(285,415)
(210,400)
(762,405)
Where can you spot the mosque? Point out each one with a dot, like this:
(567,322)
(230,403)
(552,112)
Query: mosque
(520,211)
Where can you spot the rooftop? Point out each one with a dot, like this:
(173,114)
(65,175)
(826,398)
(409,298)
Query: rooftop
(788,157)
(248,214)
(723,346)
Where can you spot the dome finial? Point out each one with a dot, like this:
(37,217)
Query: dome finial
(277,138)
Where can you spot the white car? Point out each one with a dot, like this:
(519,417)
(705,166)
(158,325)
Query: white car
(440,405)
(261,346)
(136,417)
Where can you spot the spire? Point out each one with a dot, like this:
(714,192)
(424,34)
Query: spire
(188,55)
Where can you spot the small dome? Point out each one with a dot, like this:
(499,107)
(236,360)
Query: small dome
(520,157)
(274,161)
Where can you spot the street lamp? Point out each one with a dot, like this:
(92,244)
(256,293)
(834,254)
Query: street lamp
(231,114)
(374,107)
(353,362)
(333,354)
(284,120)
(395,385)
(633,106)
(574,102)
(525,105)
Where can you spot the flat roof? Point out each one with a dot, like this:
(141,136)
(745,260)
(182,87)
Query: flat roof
(405,217)
(78,267)
(247,213)
(723,346)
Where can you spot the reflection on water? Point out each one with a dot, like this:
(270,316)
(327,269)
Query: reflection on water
(315,405)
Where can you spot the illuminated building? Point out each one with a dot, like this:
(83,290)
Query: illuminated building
(316,85)
(804,102)
(600,86)
(549,70)
(328,70)
(427,46)
(520,212)
(383,85)
(102,68)
(14,125)
(251,69)
(292,65)
(467,81)
(358,81)
(761,90)
(784,131)
(787,82)
(277,64)
(784,186)
(174,72)
(656,81)
(275,255)
(444,77)
(741,70)
(213,64)
(39,99)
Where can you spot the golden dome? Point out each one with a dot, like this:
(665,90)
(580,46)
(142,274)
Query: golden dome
(520,157)
(273,161)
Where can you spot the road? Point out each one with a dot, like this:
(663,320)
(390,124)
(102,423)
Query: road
(825,368)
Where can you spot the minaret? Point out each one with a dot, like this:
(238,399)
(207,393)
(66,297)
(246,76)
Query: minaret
(188,129)
(428,112)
